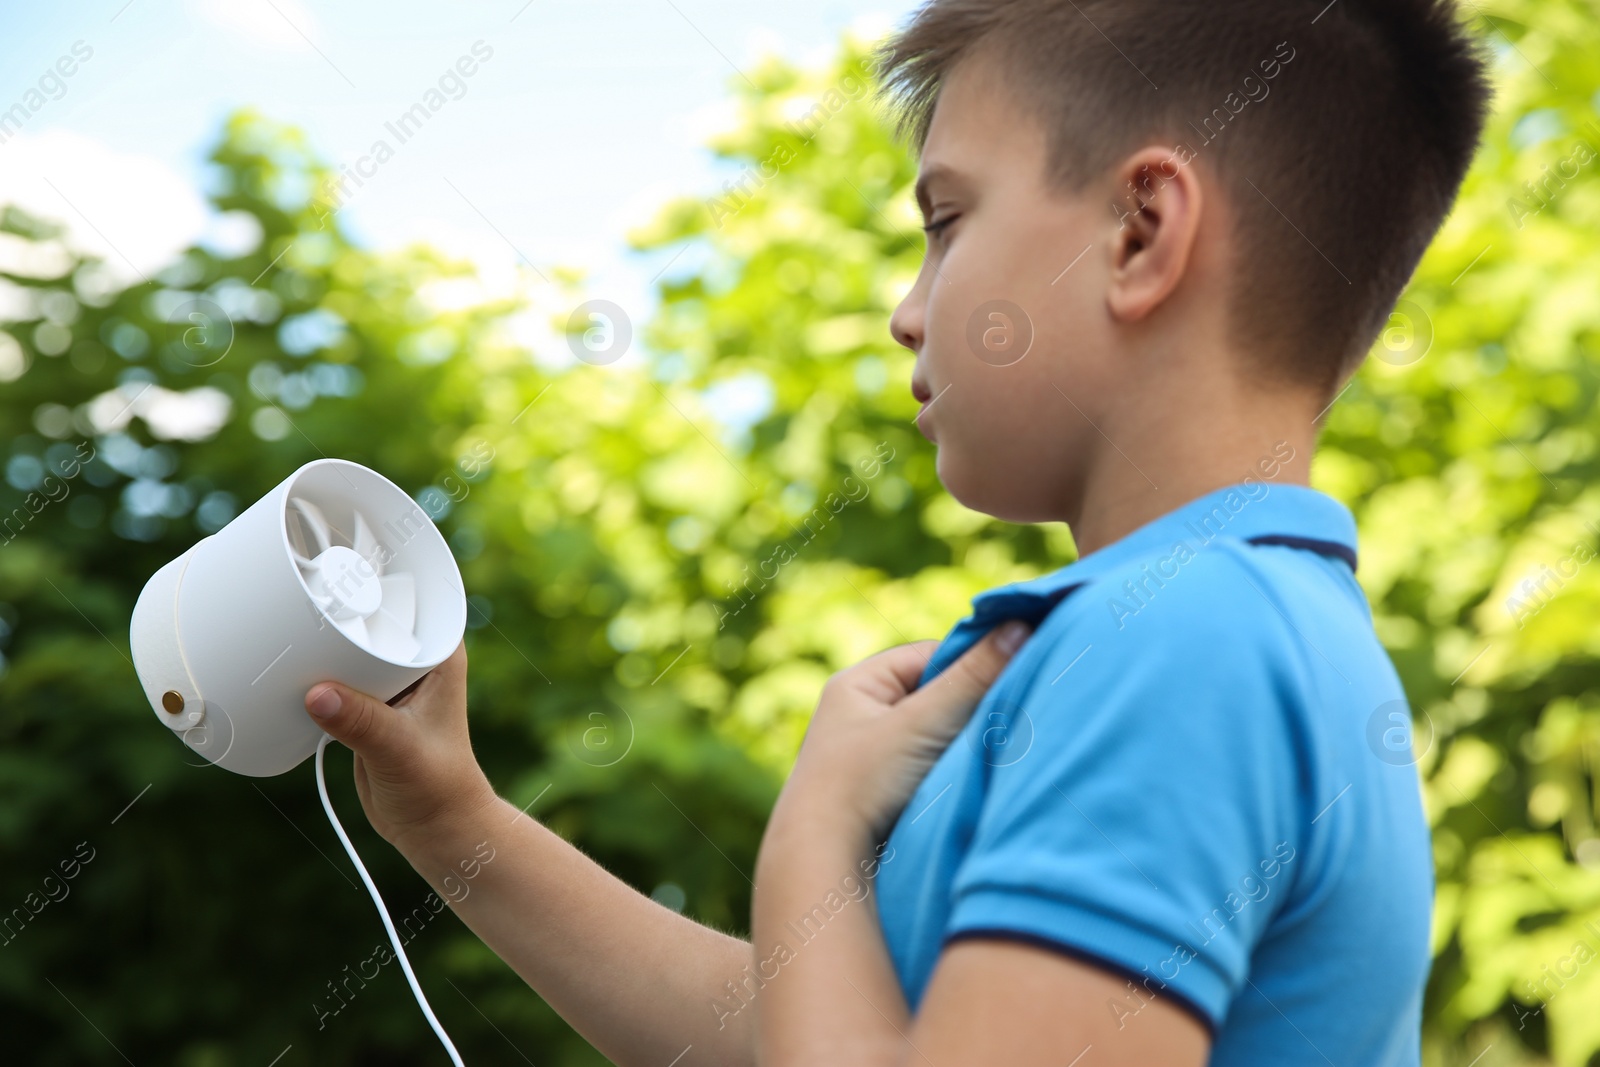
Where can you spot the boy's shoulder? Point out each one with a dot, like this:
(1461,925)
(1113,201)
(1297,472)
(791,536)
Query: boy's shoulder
(1248,580)
(1216,589)
(1250,626)
(1214,600)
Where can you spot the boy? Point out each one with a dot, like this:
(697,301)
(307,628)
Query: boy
(1174,831)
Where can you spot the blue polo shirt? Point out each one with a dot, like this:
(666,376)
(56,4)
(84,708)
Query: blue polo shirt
(1196,775)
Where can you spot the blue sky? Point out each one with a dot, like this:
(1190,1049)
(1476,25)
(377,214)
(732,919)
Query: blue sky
(584,116)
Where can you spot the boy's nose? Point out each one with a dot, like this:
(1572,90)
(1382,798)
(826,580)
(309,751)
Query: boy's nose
(905,325)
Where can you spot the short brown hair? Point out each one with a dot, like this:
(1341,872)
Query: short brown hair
(1358,141)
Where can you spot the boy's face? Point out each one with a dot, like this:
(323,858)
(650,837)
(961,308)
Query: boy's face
(1008,316)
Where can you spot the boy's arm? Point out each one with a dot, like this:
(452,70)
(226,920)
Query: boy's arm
(989,1001)
(635,979)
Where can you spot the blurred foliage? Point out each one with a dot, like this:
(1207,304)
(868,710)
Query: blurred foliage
(668,554)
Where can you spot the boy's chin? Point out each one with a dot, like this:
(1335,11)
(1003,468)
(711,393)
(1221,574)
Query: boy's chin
(971,481)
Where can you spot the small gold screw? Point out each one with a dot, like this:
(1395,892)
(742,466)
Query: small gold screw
(172,700)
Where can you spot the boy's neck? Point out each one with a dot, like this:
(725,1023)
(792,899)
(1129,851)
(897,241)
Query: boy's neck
(1167,454)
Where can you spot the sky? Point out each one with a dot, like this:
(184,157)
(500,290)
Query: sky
(578,118)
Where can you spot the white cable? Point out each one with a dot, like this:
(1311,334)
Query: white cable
(388,924)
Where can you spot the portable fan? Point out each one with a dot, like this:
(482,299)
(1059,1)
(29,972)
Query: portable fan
(335,575)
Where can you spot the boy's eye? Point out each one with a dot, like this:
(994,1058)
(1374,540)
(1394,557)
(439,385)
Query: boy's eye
(938,226)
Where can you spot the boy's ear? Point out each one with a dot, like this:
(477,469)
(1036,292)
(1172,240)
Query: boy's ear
(1159,202)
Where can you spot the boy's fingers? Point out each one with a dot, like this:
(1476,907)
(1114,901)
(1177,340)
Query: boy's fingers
(377,730)
(894,672)
(452,672)
(454,669)
(354,719)
(957,690)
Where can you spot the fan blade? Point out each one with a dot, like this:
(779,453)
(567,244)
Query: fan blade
(399,599)
(315,520)
(364,543)
(298,548)
(391,640)
(356,629)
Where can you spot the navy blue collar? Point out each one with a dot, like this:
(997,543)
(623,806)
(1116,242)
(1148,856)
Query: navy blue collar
(1256,512)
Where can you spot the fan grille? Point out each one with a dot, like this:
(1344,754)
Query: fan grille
(343,566)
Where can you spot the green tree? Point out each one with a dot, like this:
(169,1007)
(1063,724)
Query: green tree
(215,920)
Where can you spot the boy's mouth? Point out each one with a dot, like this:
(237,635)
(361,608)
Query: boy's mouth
(923,392)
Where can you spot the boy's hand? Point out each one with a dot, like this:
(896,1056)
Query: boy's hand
(414,765)
(875,734)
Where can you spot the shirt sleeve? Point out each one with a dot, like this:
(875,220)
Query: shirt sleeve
(1150,827)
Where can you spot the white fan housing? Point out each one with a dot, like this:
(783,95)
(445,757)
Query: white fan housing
(335,575)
